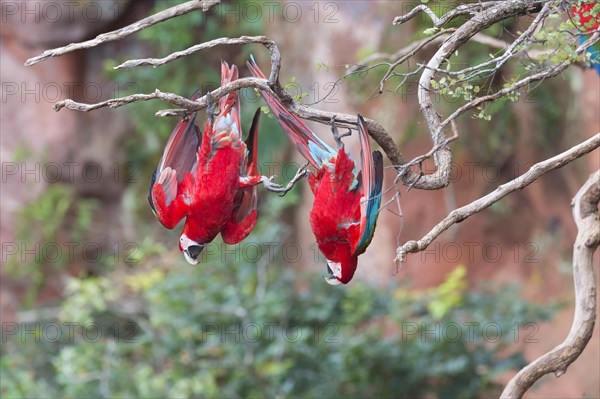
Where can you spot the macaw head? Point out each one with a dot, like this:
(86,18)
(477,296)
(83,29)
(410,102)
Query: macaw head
(190,248)
(342,270)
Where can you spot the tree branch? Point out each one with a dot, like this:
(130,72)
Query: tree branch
(119,34)
(585,214)
(186,104)
(485,14)
(443,158)
(534,173)
(155,62)
(414,12)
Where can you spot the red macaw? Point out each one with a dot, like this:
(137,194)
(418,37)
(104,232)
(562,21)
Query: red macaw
(587,19)
(346,205)
(210,179)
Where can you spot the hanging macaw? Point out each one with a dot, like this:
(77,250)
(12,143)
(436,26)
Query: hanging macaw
(347,201)
(583,14)
(209,179)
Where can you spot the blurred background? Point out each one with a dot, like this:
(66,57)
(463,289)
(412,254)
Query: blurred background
(97,300)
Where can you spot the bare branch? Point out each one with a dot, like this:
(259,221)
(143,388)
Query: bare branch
(440,37)
(585,214)
(412,50)
(119,34)
(534,173)
(414,12)
(155,62)
(188,105)
(376,131)
(274,85)
(464,9)
(509,53)
(486,15)
(421,158)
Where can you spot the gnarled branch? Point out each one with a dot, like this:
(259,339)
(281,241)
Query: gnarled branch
(585,214)
(443,158)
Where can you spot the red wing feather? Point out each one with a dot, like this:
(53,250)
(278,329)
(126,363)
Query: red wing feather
(244,215)
(181,148)
(179,159)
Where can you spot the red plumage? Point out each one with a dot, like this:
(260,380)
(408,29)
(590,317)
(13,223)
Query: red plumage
(335,215)
(217,191)
(346,204)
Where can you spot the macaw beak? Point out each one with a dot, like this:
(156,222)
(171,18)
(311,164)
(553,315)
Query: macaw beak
(331,279)
(192,252)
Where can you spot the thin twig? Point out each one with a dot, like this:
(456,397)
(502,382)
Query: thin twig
(412,50)
(548,72)
(187,104)
(155,62)
(119,34)
(414,12)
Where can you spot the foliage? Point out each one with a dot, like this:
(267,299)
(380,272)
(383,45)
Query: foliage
(233,327)
(40,232)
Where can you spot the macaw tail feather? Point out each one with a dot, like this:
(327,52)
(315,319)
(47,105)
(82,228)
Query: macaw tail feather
(231,100)
(312,148)
(252,144)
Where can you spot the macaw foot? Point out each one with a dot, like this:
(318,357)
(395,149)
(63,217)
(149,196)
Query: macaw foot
(210,109)
(250,181)
(278,188)
(337,136)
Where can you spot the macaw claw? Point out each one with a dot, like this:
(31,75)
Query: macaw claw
(210,109)
(278,188)
(337,136)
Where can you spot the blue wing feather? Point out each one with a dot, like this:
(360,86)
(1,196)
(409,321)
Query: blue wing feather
(371,180)
(373,204)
